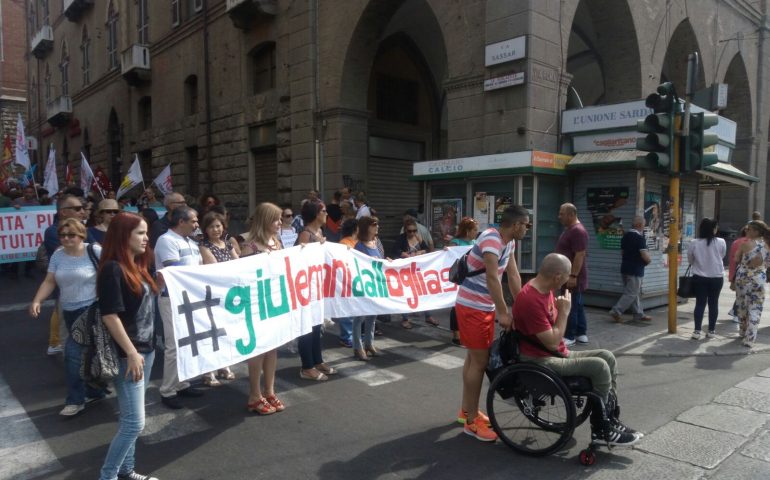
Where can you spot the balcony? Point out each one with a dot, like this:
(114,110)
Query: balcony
(42,42)
(59,111)
(246,13)
(73,9)
(135,64)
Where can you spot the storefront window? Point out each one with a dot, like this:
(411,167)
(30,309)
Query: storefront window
(525,257)
(489,200)
(550,196)
(447,207)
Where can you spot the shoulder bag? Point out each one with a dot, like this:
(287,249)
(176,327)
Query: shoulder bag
(686,289)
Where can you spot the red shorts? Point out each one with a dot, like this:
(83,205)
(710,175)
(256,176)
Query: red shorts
(477,327)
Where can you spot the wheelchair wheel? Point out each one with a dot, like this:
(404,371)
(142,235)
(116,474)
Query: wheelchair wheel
(531,409)
(582,409)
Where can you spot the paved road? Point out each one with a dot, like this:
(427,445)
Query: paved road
(704,407)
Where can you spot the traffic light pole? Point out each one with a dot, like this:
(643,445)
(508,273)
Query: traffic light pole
(673,232)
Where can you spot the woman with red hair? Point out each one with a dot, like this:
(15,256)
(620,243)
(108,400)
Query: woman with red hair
(126,293)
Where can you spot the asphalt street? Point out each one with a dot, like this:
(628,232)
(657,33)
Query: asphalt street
(704,407)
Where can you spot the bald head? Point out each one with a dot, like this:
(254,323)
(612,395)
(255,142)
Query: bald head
(639,222)
(554,264)
(567,214)
(173,200)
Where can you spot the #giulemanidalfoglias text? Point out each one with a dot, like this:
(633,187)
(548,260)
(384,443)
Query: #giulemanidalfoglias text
(227,312)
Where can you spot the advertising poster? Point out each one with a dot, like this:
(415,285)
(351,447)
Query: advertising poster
(501,204)
(445,216)
(653,221)
(481,209)
(601,203)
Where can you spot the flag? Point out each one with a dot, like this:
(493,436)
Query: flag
(22,154)
(102,181)
(68,175)
(29,176)
(132,178)
(6,167)
(50,178)
(163,181)
(86,174)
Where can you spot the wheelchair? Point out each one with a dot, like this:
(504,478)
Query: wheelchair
(532,409)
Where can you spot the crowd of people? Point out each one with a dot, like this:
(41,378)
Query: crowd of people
(98,252)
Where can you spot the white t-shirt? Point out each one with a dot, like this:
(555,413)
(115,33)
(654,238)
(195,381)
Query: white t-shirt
(75,277)
(706,260)
(173,249)
(363,211)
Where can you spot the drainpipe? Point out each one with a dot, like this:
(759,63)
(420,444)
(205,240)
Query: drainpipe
(317,127)
(207,94)
(760,160)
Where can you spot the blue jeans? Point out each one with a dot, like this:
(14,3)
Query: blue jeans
(309,346)
(77,390)
(576,322)
(120,456)
(368,322)
(346,328)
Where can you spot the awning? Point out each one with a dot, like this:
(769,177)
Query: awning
(604,160)
(724,172)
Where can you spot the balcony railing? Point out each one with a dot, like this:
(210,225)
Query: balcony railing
(246,13)
(135,64)
(73,9)
(42,42)
(59,111)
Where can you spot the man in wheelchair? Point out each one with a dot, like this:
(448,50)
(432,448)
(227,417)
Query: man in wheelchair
(541,320)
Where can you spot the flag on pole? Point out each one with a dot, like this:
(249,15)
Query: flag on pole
(86,174)
(163,181)
(6,167)
(132,178)
(50,178)
(22,154)
(29,176)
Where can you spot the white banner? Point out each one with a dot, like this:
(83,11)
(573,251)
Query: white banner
(21,232)
(227,312)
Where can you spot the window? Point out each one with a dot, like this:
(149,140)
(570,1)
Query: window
(191,95)
(192,170)
(398,99)
(47,84)
(112,36)
(145,161)
(176,13)
(85,51)
(197,5)
(45,12)
(143,25)
(64,68)
(145,113)
(262,62)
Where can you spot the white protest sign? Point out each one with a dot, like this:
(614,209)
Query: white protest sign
(227,312)
(21,232)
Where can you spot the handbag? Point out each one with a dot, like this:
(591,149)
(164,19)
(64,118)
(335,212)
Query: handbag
(686,288)
(41,258)
(458,272)
(80,330)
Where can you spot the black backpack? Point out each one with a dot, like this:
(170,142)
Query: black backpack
(458,272)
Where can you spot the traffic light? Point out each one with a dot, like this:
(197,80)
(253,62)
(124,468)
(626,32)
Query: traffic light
(692,148)
(658,128)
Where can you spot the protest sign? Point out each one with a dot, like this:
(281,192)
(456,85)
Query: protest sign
(224,313)
(21,232)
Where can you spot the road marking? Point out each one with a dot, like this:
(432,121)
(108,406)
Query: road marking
(436,359)
(16,307)
(23,451)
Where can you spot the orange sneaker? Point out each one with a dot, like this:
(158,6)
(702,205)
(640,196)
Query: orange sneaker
(480,430)
(462,417)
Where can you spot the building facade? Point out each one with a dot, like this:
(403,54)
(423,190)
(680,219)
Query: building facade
(262,100)
(13,67)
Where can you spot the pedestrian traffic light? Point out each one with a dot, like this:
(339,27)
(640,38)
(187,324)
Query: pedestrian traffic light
(692,148)
(658,128)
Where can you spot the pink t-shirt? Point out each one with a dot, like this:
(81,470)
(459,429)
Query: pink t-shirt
(533,313)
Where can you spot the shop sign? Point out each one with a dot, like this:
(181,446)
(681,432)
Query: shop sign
(603,117)
(550,160)
(604,141)
(504,81)
(505,51)
(473,164)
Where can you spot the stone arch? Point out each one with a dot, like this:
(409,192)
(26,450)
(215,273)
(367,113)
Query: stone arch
(739,102)
(682,42)
(603,53)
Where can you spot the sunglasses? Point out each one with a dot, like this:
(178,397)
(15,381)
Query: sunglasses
(69,235)
(76,208)
(411,231)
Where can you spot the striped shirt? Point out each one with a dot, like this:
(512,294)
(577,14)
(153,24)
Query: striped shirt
(473,292)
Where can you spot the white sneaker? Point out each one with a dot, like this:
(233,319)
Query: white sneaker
(569,341)
(696,335)
(70,410)
(711,334)
(55,350)
(582,339)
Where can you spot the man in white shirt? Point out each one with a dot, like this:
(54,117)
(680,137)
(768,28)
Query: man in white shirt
(362,208)
(175,247)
